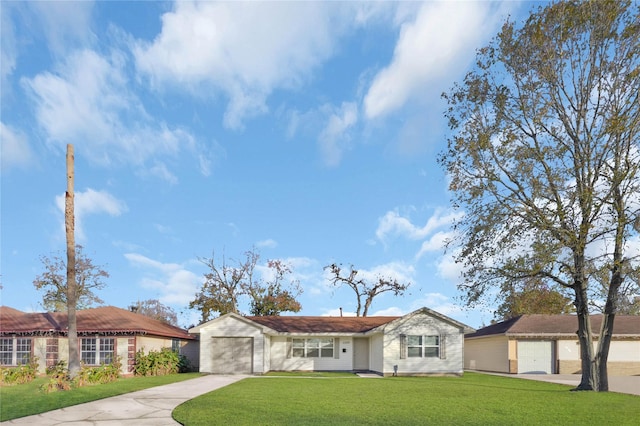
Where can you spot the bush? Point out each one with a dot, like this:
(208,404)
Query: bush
(105,373)
(159,363)
(19,375)
(59,376)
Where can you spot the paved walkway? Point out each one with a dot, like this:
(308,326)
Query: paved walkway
(151,406)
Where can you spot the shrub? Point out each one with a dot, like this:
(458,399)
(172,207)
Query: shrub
(19,375)
(104,373)
(59,376)
(159,363)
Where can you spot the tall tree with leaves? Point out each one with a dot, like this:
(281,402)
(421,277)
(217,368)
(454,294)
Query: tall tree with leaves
(269,296)
(153,308)
(545,158)
(226,283)
(88,278)
(531,296)
(365,289)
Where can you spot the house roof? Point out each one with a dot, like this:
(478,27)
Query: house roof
(107,319)
(557,325)
(315,325)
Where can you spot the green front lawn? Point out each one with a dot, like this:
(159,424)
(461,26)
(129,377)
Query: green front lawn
(472,399)
(25,400)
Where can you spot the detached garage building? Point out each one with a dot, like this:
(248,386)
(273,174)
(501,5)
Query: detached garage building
(548,344)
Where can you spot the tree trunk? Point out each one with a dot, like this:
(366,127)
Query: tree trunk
(69,220)
(585,336)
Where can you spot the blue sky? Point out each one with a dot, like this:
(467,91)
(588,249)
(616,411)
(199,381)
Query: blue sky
(307,130)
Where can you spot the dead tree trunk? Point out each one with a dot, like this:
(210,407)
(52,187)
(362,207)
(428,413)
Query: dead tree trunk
(69,221)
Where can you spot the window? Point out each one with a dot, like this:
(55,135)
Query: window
(175,345)
(423,346)
(312,348)
(97,350)
(15,351)
(23,351)
(6,351)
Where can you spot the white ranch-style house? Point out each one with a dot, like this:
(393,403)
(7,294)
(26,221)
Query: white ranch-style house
(423,342)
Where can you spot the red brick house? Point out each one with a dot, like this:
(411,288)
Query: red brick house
(104,333)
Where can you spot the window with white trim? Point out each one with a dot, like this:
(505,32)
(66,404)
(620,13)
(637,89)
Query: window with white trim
(423,346)
(312,348)
(15,350)
(97,350)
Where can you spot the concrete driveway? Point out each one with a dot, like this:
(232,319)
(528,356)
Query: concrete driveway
(621,384)
(151,406)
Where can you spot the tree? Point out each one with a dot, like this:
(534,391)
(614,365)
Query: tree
(71,292)
(365,290)
(153,308)
(531,296)
(544,160)
(225,284)
(269,298)
(88,279)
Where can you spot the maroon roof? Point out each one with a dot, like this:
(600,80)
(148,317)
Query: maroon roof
(104,320)
(623,325)
(294,324)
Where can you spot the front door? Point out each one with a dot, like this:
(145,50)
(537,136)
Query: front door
(361,354)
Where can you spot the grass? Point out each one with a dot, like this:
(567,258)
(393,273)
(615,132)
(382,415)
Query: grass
(474,399)
(25,400)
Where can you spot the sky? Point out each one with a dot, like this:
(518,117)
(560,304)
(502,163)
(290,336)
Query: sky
(308,131)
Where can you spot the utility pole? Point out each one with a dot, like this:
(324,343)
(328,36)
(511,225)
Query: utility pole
(69,222)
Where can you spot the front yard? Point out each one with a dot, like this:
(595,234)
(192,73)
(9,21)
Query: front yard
(472,399)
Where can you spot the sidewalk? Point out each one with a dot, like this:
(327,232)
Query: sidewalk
(151,406)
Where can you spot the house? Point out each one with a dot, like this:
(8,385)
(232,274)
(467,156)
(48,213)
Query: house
(103,333)
(420,343)
(549,344)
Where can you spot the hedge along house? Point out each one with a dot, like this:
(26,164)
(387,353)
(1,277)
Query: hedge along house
(548,344)
(423,342)
(104,334)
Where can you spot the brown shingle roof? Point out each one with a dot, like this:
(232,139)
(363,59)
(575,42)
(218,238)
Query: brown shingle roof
(108,319)
(291,324)
(565,325)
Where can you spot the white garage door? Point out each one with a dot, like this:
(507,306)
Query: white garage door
(232,355)
(535,357)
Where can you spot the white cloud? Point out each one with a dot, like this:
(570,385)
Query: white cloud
(171,281)
(443,35)
(393,224)
(243,50)
(268,243)
(64,24)
(87,102)
(8,51)
(90,202)
(14,148)
(335,136)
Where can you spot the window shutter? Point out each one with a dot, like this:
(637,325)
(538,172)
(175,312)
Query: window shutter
(403,346)
(289,346)
(336,348)
(443,345)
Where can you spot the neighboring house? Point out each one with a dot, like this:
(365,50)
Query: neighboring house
(549,344)
(103,334)
(420,343)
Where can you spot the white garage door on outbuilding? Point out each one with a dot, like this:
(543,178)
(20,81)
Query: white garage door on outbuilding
(232,355)
(535,356)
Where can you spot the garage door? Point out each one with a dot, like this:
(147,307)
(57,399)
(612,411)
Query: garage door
(535,357)
(232,355)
